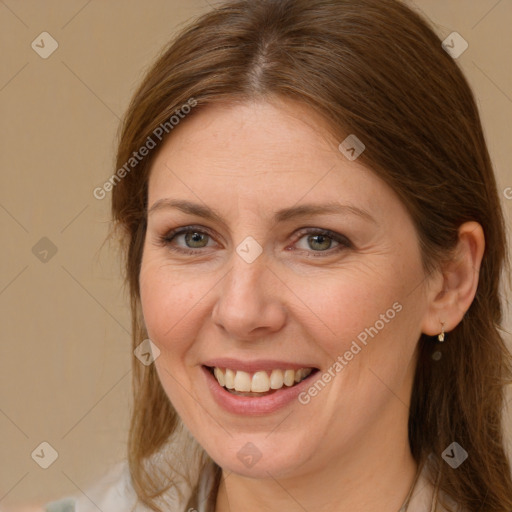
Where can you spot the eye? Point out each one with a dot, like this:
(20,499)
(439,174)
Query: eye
(321,240)
(196,238)
(193,238)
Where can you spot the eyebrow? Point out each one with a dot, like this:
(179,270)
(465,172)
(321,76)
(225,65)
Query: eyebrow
(280,216)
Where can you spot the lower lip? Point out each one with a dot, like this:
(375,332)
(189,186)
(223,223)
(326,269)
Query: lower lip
(251,406)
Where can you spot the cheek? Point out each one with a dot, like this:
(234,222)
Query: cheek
(373,317)
(347,308)
(167,303)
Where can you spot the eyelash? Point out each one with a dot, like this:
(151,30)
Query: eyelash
(344,242)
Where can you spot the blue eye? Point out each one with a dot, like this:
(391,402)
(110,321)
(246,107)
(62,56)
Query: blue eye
(319,240)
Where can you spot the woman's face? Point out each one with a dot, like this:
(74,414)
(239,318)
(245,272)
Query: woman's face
(271,282)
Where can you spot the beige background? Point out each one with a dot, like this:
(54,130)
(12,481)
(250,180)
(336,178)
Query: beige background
(65,351)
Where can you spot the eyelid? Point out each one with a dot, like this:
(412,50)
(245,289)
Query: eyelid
(185,229)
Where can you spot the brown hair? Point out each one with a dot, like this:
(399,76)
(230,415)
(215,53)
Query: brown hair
(376,69)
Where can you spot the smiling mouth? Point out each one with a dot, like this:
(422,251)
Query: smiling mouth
(260,383)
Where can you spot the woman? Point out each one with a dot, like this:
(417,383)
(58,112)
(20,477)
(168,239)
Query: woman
(314,244)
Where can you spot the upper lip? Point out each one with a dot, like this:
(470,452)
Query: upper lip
(255,365)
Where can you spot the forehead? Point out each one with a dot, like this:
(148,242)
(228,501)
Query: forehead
(261,156)
(276,132)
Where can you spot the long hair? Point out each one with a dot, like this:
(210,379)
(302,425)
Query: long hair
(374,68)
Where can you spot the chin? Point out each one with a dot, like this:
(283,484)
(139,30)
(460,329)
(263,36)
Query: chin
(260,459)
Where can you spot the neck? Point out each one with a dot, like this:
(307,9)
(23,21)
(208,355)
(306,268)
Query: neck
(376,475)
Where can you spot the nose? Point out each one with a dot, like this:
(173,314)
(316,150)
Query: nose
(249,303)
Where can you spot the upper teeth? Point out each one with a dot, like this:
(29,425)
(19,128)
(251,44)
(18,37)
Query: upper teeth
(259,382)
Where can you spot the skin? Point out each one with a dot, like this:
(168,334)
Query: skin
(347,450)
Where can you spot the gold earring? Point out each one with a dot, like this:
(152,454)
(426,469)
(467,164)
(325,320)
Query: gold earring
(440,337)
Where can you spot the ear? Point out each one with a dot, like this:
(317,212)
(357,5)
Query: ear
(452,291)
